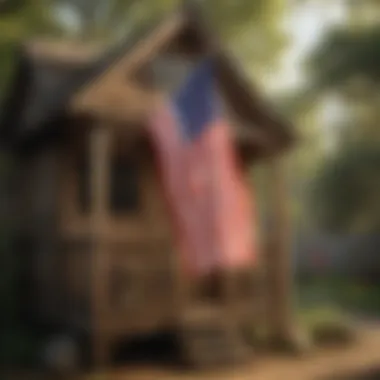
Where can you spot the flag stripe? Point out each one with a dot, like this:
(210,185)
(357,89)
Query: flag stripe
(206,193)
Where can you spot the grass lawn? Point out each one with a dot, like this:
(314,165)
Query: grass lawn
(340,294)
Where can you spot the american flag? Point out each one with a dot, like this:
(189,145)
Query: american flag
(205,188)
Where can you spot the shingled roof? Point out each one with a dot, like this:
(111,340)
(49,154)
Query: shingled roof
(48,73)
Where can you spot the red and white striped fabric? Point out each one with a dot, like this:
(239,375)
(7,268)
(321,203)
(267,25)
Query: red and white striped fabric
(208,198)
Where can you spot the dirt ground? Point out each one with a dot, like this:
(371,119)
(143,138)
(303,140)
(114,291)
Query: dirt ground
(360,361)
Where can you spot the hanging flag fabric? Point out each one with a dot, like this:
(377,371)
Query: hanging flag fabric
(207,196)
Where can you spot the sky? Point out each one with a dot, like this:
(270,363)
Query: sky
(306,23)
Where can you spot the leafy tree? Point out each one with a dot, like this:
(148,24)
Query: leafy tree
(345,196)
(347,63)
(344,55)
(17,22)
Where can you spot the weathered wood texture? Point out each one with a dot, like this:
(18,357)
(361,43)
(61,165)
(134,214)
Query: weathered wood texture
(277,256)
(113,275)
(115,271)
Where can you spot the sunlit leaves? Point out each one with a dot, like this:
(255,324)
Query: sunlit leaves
(29,18)
(347,62)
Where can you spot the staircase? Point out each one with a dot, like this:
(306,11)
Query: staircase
(209,340)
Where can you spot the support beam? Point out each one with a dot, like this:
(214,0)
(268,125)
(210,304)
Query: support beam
(99,141)
(119,100)
(278,255)
(141,53)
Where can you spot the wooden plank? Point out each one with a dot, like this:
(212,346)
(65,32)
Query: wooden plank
(117,100)
(144,51)
(278,255)
(63,51)
(99,168)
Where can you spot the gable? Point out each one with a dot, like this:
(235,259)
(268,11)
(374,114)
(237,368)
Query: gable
(109,86)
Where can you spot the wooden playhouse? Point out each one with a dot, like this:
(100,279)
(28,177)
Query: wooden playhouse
(91,225)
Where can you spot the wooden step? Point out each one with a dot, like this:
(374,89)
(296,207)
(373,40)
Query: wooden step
(212,341)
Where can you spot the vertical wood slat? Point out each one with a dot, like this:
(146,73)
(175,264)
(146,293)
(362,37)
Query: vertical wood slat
(279,260)
(99,174)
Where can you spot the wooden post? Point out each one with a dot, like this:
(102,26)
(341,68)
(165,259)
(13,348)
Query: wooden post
(99,169)
(278,252)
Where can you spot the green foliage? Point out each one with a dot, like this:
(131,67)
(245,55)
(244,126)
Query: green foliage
(347,62)
(346,190)
(250,26)
(326,325)
(344,54)
(34,17)
(334,294)
(7,50)
(231,18)
(7,6)
(27,19)
(251,29)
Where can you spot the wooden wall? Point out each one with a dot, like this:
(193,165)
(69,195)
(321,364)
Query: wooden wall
(138,246)
(150,223)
